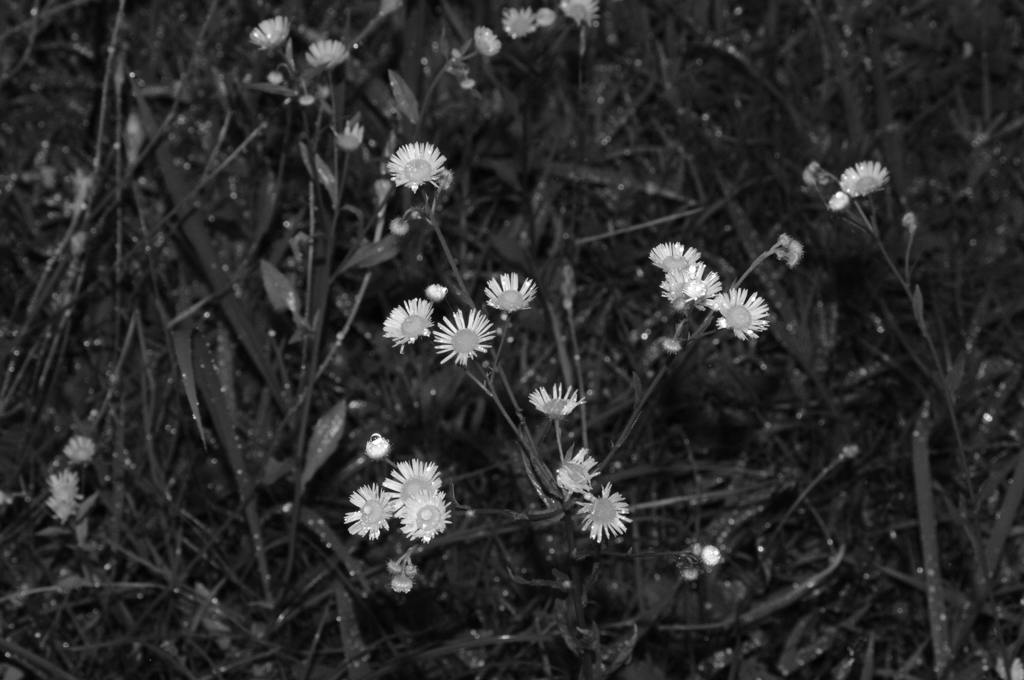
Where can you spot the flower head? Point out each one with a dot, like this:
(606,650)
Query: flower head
(374,509)
(839,201)
(270,33)
(435,292)
(411,477)
(556,404)
(326,54)
(462,337)
(64,494)
(789,250)
(377,446)
(486,41)
(576,474)
(583,12)
(504,293)
(546,17)
(399,226)
(408,322)
(425,515)
(402,571)
(604,515)
(690,285)
(518,23)
(351,136)
(669,256)
(814,175)
(743,312)
(80,449)
(416,164)
(865,177)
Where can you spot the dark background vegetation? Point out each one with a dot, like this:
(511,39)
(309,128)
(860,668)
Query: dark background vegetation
(707,111)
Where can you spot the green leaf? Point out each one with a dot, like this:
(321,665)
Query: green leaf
(182,339)
(326,177)
(917,301)
(324,441)
(280,291)
(405,99)
(372,254)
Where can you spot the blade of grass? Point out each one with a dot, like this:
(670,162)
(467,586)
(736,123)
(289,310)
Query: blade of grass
(927,523)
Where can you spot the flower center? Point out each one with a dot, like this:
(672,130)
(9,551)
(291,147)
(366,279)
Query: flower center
(556,406)
(418,170)
(738,317)
(414,326)
(465,341)
(864,184)
(372,512)
(510,299)
(604,511)
(426,516)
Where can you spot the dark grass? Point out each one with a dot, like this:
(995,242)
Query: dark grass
(679,121)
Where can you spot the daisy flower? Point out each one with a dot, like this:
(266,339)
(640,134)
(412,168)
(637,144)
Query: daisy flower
(411,477)
(377,446)
(546,17)
(789,250)
(839,201)
(693,284)
(416,164)
(575,475)
(351,136)
(425,515)
(583,12)
(504,293)
(743,312)
(486,41)
(375,508)
(80,449)
(64,494)
(462,336)
(436,292)
(865,177)
(604,515)
(518,23)
(669,256)
(326,54)
(270,33)
(408,322)
(556,404)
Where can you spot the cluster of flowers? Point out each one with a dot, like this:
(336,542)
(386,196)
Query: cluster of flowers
(603,515)
(460,336)
(688,282)
(65,496)
(272,33)
(519,23)
(862,179)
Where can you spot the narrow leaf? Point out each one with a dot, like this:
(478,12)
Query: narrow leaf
(323,442)
(918,303)
(405,99)
(372,254)
(182,339)
(326,177)
(280,291)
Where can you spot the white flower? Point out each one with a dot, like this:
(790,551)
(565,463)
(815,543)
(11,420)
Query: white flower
(839,201)
(416,164)
(604,515)
(64,494)
(351,136)
(909,222)
(865,177)
(435,292)
(461,336)
(556,404)
(375,508)
(743,312)
(411,477)
(710,556)
(486,41)
(399,226)
(326,54)
(546,17)
(518,23)
(425,515)
(377,446)
(583,12)
(270,33)
(576,474)
(409,322)
(402,571)
(814,175)
(692,284)
(669,256)
(80,449)
(789,250)
(504,293)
